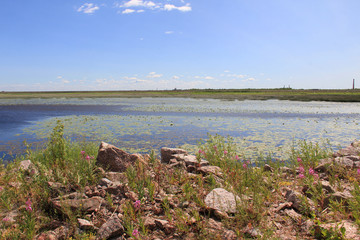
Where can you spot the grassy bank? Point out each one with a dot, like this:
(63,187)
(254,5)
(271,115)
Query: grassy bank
(176,196)
(228,94)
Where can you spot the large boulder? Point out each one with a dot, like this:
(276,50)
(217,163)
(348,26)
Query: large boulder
(168,153)
(111,228)
(114,159)
(222,200)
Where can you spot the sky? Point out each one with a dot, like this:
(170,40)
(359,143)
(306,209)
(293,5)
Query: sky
(71,45)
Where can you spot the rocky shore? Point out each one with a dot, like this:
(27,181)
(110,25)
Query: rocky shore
(165,206)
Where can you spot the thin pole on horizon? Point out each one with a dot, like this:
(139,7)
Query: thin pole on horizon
(353,83)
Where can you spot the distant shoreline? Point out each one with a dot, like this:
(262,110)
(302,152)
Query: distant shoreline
(331,95)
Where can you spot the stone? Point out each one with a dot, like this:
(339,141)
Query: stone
(113,158)
(323,165)
(222,200)
(300,202)
(351,230)
(210,169)
(85,224)
(229,235)
(344,161)
(149,223)
(296,217)
(28,167)
(60,233)
(338,197)
(105,182)
(111,228)
(167,153)
(116,176)
(268,168)
(86,205)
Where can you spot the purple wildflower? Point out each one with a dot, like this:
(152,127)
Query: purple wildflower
(28,205)
(244,166)
(137,204)
(135,232)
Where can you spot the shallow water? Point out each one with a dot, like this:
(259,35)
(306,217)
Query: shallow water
(141,124)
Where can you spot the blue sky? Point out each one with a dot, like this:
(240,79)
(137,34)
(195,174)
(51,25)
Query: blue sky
(166,44)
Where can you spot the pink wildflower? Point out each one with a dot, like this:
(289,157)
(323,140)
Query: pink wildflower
(6,219)
(237,157)
(301,169)
(301,176)
(244,166)
(311,171)
(299,160)
(135,232)
(336,176)
(225,152)
(316,175)
(358,171)
(137,204)
(28,205)
(87,158)
(82,152)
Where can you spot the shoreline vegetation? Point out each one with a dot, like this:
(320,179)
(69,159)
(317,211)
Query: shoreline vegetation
(78,190)
(333,95)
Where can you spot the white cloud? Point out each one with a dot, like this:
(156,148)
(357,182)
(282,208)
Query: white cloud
(169,32)
(206,77)
(127,11)
(249,79)
(140,3)
(88,8)
(154,75)
(175,77)
(170,7)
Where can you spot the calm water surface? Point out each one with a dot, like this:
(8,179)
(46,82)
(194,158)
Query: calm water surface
(141,124)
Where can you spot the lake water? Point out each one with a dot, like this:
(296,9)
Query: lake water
(142,124)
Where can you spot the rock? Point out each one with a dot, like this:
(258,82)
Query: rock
(344,161)
(85,224)
(351,150)
(338,197)
(222,200)
(60,233)
(184,204)
(149,223)
(252,232)
(268,168)
(167,153)
(296,217)
(164,225)
(105,182)
(229,235)
(300,202)
(323,165)
(111,228)
(210,169)
(86,205)
(286,170)
(116,176)
(28,167)
(328,188)
(113,158)
(351,230)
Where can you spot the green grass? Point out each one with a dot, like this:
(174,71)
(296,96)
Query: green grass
(72,165)
(339,95)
